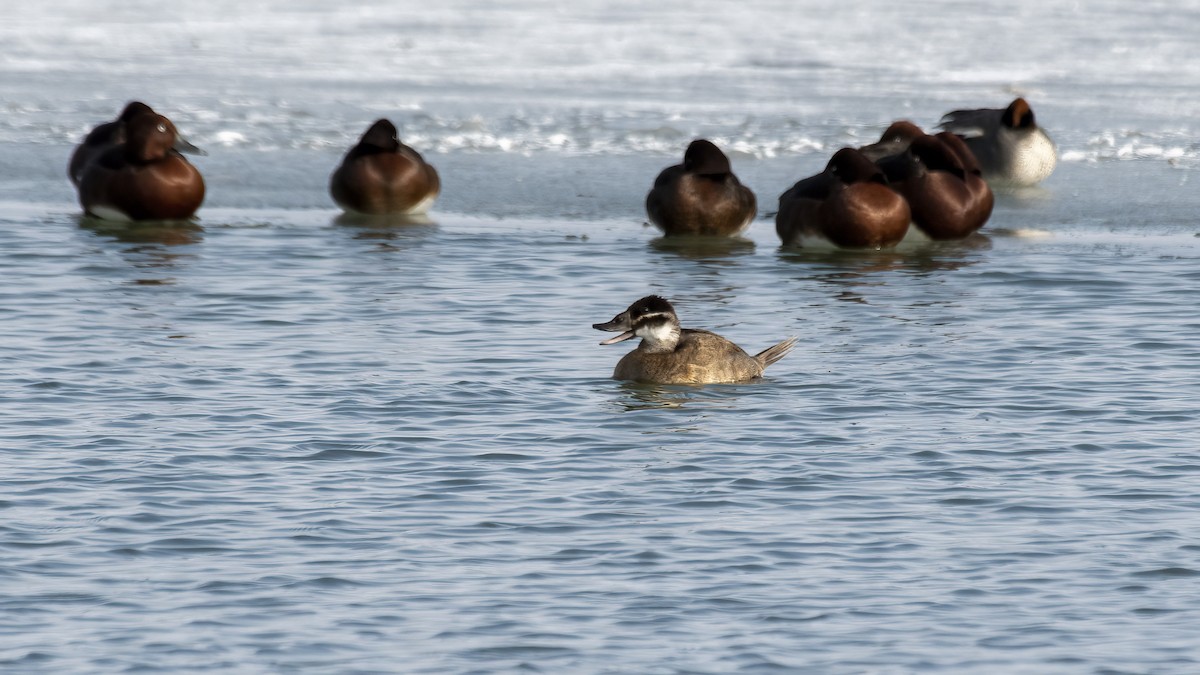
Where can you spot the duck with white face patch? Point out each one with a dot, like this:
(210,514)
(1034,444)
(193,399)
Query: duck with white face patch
(669,354)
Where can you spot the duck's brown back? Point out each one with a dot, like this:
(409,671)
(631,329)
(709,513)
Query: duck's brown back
(701,357)
(682,203)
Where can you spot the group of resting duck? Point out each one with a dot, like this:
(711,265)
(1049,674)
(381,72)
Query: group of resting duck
(869,197)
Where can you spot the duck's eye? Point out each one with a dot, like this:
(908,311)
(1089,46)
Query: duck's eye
(162,128)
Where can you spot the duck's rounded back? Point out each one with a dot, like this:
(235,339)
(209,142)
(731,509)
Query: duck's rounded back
(945,198)
(983,200)
(848,205)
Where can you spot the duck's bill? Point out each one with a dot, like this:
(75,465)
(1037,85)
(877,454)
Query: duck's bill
(183,145)
(619,323)
(620,338)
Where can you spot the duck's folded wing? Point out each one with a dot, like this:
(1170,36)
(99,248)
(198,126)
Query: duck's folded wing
(970,123)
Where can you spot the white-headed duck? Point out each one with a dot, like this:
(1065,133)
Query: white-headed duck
(669,354)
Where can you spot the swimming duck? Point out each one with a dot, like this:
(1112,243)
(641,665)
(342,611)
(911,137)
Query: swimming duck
(1011,148)
(144,178)
(938,177)
(108,134)
(702,196)
(849,205)
(894,140)
(669,354)
(381,175)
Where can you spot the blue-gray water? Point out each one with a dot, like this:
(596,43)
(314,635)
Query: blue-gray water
(278,441)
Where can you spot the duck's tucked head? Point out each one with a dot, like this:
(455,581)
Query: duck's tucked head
(955,144)
(1018,115)
(134,109)
(851,166)
(382,135)
(900,131)
(937,156)
(705,159)
(652,318)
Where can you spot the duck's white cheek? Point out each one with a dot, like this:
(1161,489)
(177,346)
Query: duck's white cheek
(658,332)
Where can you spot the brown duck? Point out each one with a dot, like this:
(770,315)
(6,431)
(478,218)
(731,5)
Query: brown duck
(382,176)
(109,134)
(941,181)
(143,178)
(848,205)
(701,197)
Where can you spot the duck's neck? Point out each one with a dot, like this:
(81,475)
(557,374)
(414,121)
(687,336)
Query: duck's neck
(662,337)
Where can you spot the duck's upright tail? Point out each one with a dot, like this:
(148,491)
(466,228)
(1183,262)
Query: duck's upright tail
(772,354)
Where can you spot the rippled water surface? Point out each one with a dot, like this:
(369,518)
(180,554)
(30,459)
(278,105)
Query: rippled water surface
(280,440)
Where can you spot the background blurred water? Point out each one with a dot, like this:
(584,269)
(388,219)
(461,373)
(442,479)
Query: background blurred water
(278,441)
